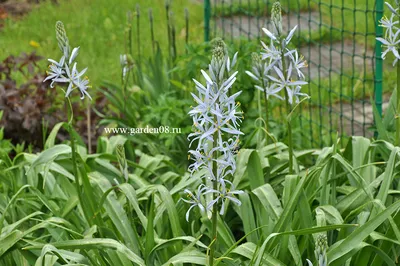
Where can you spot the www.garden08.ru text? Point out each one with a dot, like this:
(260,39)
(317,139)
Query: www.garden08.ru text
(143,130)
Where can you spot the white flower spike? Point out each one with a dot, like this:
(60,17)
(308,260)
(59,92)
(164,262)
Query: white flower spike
(61,72)
(216,122)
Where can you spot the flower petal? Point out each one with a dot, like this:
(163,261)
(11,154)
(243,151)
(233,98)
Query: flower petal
(74,54)
(269,34)
(207,77)
(251,75)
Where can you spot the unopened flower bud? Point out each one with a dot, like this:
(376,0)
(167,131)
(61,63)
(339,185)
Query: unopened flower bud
(62,38)
(219,57)
(256,59)
(276,18)
(123,165)
(218,53)
(218,42)
(321,245)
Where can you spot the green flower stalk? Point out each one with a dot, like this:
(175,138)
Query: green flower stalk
(283,70)
(65,71)
(258,68)
(260,72)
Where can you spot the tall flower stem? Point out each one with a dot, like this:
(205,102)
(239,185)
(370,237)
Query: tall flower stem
(290,146)
(259,136)
(70,115)
(216,123)
(288,106)
(89,126)
(266,109)
(259,103)
(214,219)
(398,106)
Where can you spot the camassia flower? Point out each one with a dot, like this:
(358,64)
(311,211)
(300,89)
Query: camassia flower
(74,78)
(62,72)
(194,200)
(391,40)
(223,195)
(56,70)
(216,124)
(283,67)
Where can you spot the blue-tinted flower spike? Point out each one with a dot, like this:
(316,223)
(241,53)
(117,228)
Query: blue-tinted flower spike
(276,18)
(391,39)
(291,78)
(216,124)
(65,70)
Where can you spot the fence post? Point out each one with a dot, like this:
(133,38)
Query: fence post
(378,58)
(207,17)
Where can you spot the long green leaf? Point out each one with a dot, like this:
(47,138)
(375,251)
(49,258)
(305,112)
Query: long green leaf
(94,243)
(361,233)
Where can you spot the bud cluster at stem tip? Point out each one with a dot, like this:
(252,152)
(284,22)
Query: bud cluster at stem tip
(62,38)
(276,18)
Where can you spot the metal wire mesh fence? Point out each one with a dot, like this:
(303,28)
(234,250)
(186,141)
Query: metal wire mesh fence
(337,38)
